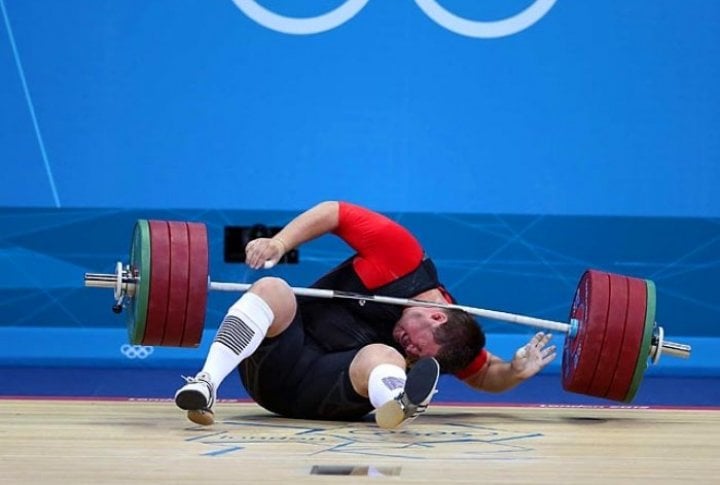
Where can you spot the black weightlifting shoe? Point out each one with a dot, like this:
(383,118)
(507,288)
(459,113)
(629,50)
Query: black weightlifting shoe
(197,397)
(420,387)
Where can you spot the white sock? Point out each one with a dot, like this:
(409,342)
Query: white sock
(385,383)
(238,336)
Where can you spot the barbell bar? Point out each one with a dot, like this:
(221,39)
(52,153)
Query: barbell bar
(610,339)
(123,283)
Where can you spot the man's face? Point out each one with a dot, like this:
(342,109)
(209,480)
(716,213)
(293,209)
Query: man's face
(414,331)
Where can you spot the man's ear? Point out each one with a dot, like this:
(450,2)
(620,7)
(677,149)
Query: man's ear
(439,316)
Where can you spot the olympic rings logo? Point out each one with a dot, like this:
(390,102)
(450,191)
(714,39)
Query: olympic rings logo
(136,351)
(439,14)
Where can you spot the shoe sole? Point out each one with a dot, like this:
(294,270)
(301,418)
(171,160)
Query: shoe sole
(390,415)
(190,400)
(203,417)
(421,382)
(195,404)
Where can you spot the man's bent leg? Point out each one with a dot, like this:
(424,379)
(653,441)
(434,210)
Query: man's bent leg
(378,371)
(266,309)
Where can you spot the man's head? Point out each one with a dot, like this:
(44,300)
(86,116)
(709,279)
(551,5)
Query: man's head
(453,337)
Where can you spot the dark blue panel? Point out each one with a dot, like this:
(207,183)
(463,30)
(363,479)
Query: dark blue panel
(521,264)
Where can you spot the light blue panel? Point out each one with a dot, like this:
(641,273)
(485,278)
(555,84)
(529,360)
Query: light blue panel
(24,179)
(599,108)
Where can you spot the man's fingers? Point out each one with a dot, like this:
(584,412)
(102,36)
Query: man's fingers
(548,351)
(549,355)
(540,339)
(259,253)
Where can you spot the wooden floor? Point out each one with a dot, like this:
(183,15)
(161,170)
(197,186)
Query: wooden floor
(136,442)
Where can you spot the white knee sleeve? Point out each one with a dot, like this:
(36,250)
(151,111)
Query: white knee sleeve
(386,381)
(246,323)
(239,335)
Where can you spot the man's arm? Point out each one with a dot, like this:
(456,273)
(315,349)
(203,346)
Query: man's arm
(385,249)
(498,375)
(313,223)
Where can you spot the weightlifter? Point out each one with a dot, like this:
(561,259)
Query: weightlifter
(340,359)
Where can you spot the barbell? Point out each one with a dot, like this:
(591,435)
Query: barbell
(611,336)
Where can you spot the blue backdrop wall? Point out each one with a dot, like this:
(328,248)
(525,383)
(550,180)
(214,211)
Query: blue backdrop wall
(597,108)
(523,140)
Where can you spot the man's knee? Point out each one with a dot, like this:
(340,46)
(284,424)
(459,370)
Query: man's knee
(280,298)
(367,359)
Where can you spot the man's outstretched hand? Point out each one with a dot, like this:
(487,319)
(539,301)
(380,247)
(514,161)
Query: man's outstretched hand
(534,356)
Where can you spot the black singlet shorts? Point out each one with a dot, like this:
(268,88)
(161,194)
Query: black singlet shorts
(293,376)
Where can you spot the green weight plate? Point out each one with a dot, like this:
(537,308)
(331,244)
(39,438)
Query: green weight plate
(644,355)
(140,268)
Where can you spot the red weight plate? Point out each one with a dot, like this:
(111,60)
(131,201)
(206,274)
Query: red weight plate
(582,352)
(159,282)
(613,337)
(632,340)
(197,285)
(178,292)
